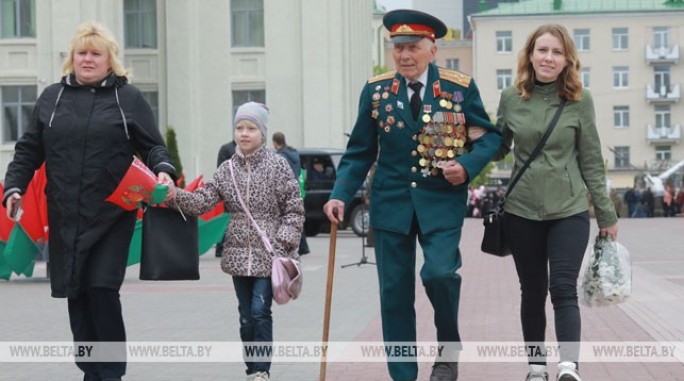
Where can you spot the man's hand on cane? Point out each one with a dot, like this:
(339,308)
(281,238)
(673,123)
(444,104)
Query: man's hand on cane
(334,210)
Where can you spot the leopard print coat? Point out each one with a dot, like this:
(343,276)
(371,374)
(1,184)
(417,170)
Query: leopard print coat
(272,195)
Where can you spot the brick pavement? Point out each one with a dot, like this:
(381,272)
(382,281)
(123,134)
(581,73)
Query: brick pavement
(490,304)
(207,311)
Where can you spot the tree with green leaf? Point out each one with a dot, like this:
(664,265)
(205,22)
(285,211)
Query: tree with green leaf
(172,146)
(483,177)
(377,69)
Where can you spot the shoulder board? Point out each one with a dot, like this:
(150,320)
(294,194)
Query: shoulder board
(383,76)
(454,76)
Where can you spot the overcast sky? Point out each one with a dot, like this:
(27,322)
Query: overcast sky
(395,4)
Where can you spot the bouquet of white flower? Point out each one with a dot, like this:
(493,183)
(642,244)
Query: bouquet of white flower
(608,275)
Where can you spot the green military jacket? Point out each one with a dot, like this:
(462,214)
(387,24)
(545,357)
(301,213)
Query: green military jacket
(407,181)
(555,184)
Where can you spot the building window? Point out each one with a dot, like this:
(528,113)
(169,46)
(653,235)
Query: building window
(244,96)
(504,79)
(581,37)
(663,153)
(247,23)
(621,157)
(152,97)
(140,24)
(586,82)
(620,77)
(620,39)
(662,116)
(662,79)
(17,18)
(661,37)
(17,107)
(621,116)
(452,63)
(504,41)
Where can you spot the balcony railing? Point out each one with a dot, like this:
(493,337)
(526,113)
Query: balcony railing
(665,94)
(660,135)
(662,55)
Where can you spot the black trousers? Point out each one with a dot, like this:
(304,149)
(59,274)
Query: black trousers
(95,316)
(548,256)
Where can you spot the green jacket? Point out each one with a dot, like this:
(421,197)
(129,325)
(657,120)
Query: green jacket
(554,184)
(404,185)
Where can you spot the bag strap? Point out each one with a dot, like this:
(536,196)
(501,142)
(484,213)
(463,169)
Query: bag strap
(537,149)
(264,238)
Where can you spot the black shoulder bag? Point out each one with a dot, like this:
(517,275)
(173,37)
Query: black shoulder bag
(493,241)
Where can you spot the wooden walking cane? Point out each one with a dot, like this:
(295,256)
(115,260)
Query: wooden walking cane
(328,297)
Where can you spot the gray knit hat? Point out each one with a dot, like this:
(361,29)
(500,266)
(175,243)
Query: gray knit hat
(256,113)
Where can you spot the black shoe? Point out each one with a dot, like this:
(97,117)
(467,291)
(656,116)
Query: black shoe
(444,371)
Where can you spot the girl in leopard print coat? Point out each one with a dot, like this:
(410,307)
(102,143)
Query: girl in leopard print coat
(272,195)
(270,191)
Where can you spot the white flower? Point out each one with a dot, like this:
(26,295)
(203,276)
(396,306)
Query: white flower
(607,278)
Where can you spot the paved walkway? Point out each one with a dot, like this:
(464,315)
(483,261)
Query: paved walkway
(207,311)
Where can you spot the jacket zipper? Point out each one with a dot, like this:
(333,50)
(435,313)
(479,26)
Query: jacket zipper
(567,174)
(249,243)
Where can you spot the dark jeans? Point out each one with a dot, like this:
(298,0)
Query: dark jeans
(95,316)
(255,296)
(548,256)
(303,245)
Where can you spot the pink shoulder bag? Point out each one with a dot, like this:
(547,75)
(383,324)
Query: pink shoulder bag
(286,273)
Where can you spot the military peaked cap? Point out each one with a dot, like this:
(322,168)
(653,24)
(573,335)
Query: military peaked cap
(406,25)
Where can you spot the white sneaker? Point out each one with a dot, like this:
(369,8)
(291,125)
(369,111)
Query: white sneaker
(260,376)
(567,371)
(537,373)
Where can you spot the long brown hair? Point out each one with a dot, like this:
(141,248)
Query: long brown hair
(568,83)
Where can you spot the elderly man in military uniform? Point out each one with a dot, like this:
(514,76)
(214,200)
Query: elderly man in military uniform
(429,132)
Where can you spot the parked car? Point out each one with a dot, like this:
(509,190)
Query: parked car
(318,188)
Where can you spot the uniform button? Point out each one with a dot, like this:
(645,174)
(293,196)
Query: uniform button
(415,137)
(414,153)
(92,91)
(414,169)
(413,184)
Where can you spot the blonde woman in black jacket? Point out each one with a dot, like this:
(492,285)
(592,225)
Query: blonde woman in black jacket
(86,129)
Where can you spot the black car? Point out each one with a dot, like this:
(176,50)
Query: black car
(318,186)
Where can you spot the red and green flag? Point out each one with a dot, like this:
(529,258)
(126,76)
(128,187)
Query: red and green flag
(30,234)
(139,185)
(211,231)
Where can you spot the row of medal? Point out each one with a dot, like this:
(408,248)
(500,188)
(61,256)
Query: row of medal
(387,123)
(443,136)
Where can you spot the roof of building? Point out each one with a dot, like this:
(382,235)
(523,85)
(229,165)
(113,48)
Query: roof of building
(546,7)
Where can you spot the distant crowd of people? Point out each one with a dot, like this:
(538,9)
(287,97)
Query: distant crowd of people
(481,201)
(641,203)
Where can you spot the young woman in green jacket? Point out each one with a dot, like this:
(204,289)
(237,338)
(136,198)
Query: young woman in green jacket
(547,221)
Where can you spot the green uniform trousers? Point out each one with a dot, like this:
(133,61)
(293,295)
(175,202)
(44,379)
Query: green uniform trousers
(396,259)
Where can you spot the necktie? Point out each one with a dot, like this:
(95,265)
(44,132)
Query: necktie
(415,99)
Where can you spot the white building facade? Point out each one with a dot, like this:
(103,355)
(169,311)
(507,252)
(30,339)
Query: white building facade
(196,61)
(630,56)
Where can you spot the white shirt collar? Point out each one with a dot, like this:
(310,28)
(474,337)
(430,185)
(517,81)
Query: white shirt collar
(422,79)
